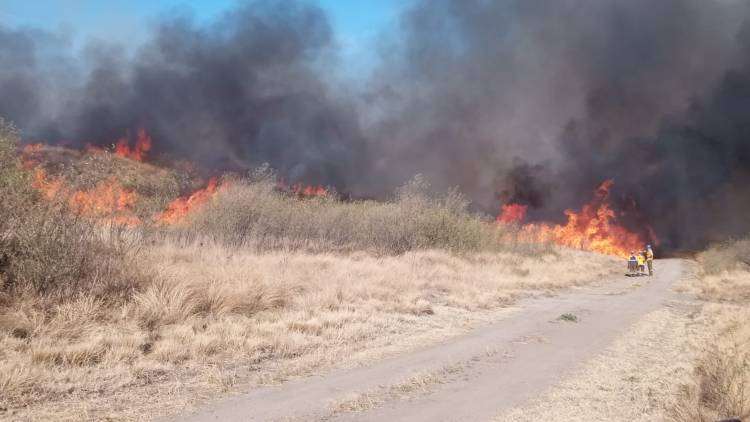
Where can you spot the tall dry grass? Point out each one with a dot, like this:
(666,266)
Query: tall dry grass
(252,213)
(721,382)
(216,317)
(721,385)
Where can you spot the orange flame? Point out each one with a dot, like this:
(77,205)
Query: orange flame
(178,210)
(512,213)
(30,154)
(302,190)
(311,190)
(593,228)
(49,187)
(143,145)
(108,201)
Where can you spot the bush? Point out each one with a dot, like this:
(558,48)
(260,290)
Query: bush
(44,250)
(727,256)
(253,213)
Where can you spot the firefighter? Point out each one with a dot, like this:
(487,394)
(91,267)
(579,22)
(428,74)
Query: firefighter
(632,264)
(650,260)
(641,258)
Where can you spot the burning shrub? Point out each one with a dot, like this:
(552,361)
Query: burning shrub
(45,250)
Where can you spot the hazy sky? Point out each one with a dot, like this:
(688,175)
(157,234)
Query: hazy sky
(357,22)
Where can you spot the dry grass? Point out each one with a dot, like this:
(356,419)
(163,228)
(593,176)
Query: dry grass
(725,273)
(720,388)
(728,256)
(219,318)
(252,213)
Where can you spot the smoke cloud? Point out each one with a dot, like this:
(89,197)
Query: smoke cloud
(524,101)
(538,102)
(247,89)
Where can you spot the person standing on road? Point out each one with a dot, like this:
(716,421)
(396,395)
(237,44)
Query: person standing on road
(632,264)
(641,257)
(650,260)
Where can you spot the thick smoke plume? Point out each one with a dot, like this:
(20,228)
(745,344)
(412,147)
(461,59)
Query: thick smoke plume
(244,90)
(524,101)
(538,102)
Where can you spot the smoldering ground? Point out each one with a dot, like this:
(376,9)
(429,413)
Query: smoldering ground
(519,100)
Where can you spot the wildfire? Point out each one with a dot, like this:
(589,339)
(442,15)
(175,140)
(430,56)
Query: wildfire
(138,152)
(108,201)
(512,213)
(48,186)
(592,228)
(30,155)
(303,191)
(180,208)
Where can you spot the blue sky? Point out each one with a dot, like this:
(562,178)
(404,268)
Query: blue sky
(356,21)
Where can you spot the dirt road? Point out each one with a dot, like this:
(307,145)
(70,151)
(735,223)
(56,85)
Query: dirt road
(471,378)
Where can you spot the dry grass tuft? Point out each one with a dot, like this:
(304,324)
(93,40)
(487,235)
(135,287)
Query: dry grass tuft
(163,303)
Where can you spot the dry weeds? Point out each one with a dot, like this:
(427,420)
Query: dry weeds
(217,319)
(252,213)
(720,386)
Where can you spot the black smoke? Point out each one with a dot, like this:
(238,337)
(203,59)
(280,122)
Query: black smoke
(525,101)
(538,102)
(247,89)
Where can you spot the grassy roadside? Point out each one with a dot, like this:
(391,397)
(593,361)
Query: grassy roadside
(720,388)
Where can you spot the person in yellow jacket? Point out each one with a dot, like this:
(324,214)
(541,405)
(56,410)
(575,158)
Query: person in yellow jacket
(650,260)
(641,257)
